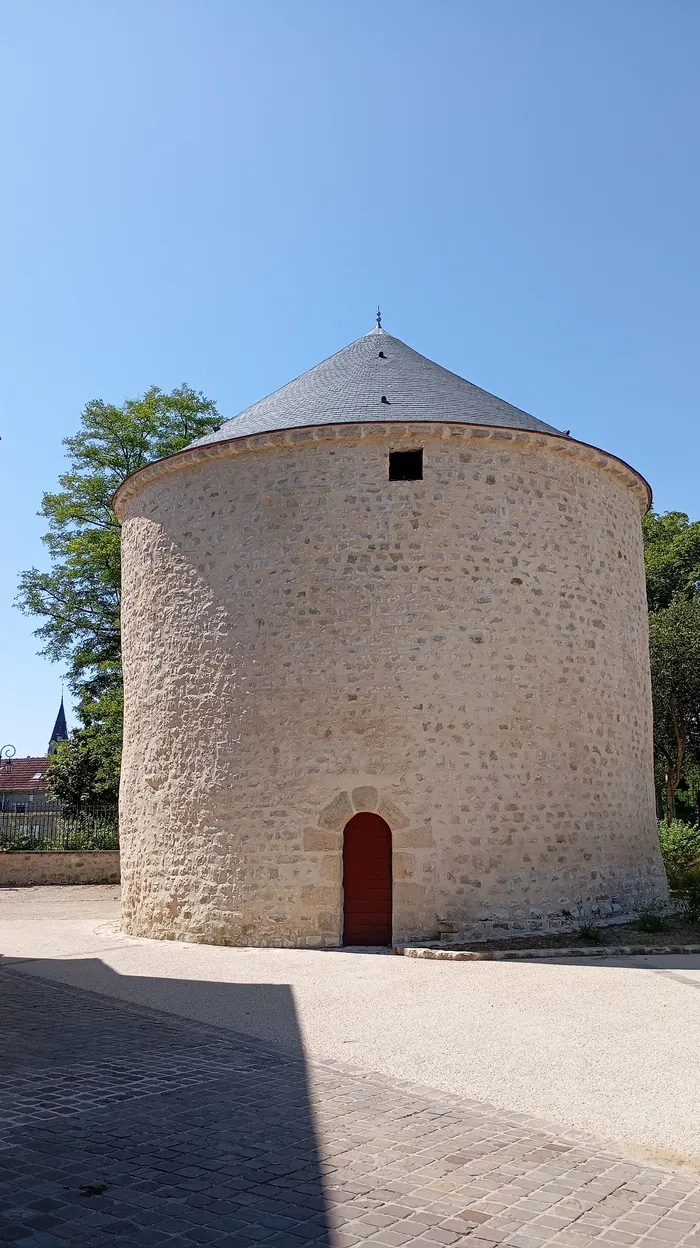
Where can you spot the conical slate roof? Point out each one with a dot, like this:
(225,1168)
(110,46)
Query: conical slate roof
(348,387)
(60,729)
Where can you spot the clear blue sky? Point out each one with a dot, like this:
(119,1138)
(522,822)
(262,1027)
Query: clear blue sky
(219,192)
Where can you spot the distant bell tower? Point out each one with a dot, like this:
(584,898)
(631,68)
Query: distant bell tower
(60,730)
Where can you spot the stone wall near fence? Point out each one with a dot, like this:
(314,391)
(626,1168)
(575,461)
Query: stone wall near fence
(18,868)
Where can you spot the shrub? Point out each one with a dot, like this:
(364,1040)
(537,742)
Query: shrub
(651,920)
(687,892)
(51,830)
(680,848)
(590,932)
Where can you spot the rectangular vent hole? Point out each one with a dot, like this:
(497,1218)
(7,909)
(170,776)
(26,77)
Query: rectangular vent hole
(406,465)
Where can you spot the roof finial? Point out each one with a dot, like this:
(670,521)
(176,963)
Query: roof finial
(379,317)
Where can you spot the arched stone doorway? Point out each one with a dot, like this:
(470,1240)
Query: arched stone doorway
(366,881)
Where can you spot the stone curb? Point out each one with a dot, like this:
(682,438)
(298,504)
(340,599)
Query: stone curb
(514,955)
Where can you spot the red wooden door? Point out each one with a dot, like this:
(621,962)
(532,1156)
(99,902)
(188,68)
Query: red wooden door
(367,881)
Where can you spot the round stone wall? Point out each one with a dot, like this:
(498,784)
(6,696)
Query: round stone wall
(464,654)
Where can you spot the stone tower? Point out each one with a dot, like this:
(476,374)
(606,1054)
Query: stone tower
(386,669)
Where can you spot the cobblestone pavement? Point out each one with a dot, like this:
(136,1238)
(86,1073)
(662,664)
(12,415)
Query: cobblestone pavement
(122,1125)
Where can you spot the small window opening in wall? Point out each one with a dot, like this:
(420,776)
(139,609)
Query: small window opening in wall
(406,465)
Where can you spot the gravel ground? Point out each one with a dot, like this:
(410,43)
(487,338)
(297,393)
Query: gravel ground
(608,1047)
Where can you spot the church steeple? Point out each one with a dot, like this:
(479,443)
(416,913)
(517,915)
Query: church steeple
(60,729)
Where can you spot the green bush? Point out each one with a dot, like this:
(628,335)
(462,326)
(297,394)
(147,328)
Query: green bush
(688,894)
(591,933)
(680,849)
(48,830)
(651,920)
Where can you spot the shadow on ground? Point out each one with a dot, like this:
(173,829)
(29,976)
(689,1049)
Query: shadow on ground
(266,1010)
(636,962)
(122,1124)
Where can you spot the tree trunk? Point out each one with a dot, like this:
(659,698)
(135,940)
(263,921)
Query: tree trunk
(670,796)
(675,769)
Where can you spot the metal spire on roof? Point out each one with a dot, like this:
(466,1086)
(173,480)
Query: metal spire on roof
(379,317)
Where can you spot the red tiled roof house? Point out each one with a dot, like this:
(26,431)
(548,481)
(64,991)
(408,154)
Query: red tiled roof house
(23,784)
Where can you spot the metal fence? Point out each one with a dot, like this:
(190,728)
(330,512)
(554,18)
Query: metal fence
(93,827)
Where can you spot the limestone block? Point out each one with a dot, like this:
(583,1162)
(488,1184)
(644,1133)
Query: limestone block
(413,838)
(408,894)
(319,898)
(336,814)
(331,868)
(391,814)
(364,798)
(403,866)
(315,840)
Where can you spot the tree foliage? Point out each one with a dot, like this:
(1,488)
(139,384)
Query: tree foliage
(672,563)
(674,645)
(671,557)
(680,846)
(78,599)
(86,767)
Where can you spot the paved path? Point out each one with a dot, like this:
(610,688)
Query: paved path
(606,1048)
(121,1125)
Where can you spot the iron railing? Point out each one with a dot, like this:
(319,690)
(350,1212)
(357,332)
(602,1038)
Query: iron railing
(91,828)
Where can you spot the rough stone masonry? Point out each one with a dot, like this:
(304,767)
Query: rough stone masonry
(464,653)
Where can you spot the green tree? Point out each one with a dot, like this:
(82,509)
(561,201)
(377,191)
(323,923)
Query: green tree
(688,796)
(674,644)
(671,557)
(85,768)
(78,599)
(680,846)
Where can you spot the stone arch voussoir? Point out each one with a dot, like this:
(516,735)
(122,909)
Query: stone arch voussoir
(344,805)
